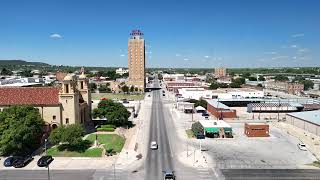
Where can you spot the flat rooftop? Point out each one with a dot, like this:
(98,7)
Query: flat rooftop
(214,123)
(310,116)
(226,90)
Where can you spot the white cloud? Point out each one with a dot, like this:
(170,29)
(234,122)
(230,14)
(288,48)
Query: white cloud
(297,35)
(279,57)
(303,50)
(294,57)
(261,60)
(122,55)
(55,36)
(186,59)
(272,52)
(178,55)
(293,46)
(206,57)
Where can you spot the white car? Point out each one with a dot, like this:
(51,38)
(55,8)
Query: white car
(302,146)
(154,145)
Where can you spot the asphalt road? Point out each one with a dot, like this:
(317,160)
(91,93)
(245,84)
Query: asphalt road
(269,174)
(161,159)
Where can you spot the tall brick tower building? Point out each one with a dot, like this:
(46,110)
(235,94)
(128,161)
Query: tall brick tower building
(136,60)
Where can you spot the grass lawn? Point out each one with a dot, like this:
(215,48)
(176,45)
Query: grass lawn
(110,141)
(94,152)
(189,133)
(98,96)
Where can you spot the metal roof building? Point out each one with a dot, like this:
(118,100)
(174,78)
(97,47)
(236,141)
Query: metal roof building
(307,120)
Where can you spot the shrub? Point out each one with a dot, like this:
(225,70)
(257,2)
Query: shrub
(105,129)
(108,126)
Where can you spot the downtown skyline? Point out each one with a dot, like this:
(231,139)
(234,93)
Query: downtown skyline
(178,33)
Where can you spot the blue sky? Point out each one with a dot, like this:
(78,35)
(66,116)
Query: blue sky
(178,33)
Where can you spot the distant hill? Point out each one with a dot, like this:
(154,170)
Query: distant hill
(20,63)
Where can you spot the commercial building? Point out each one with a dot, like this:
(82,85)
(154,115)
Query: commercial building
(175,85)
(288,87)
(220,72)
(136,60)
(219,110)
(256,129)
(68,104)
(195,93)
(215,129)
(307,120)
(237,93)
(122,71)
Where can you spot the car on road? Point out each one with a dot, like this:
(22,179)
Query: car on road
(148,95)
(169,175)
(44,161)
(9,161)
(22,161)
(302,146)
(163,94)
(154,145)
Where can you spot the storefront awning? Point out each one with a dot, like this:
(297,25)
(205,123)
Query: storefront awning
(212,130)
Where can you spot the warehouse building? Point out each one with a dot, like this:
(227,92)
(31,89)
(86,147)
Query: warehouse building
(256,129)
(219,110)
(307,120)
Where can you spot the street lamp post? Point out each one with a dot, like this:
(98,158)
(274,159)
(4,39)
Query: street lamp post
(45,146)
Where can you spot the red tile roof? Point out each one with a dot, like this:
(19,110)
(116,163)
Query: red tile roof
(29,96)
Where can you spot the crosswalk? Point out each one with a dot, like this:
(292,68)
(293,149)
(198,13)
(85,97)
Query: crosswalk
(198,173)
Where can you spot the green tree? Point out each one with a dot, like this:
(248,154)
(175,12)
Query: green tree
(252,78)
(21,129)
(234,85)
(5,71)
(131,88)
(115,113)
(239,81)
(308,84)
(70,134)
(125,89)
(214,85)
(26,73)
(246,75)
(200,102)
(261,78)
(281,78)
(92,86)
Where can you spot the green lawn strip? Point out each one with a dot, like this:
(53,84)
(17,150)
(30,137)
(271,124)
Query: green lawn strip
(189,133)
(110,141)
(93,152)
(98,96)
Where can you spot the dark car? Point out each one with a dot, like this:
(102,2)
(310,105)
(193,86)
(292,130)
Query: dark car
(163,94)
(9,161)
(21,162)
(44,161)
(205,114)
(169,175)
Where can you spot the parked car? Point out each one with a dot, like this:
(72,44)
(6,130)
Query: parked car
(163,94)
(148,95)
(154,145)
(44,161)
(205,114)
(9,161)
(302,146)
(22,161)
(169,175)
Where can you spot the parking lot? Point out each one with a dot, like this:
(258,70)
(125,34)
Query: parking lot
(280,150)
(277,151)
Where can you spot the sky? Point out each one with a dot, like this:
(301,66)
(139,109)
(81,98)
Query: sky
(178,33)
